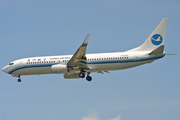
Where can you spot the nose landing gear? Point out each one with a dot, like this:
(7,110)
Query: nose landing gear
(19,79)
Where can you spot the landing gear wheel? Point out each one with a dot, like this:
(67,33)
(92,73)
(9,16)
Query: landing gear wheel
(88,78)
(81,75)
(19,80)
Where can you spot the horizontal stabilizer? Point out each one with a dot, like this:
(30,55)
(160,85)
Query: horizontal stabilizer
(158,51)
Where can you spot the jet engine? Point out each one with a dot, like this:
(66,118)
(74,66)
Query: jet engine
(59,68)
(71,75)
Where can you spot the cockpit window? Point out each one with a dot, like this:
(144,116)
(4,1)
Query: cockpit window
(11,63)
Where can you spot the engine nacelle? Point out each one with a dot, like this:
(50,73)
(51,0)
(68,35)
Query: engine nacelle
(71,75)
(59,68)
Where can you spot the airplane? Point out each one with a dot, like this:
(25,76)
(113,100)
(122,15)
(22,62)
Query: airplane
(81,64)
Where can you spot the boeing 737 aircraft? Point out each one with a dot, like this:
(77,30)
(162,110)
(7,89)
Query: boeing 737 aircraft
(80,64)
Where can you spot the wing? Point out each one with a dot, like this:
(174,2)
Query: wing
(79,58)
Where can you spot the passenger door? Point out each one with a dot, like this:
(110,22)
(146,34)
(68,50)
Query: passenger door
(136,57)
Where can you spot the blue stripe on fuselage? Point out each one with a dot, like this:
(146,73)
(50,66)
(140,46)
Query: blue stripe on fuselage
(31,66)
(124,60)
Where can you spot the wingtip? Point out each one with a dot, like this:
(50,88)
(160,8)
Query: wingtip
(166,19)
(86,40)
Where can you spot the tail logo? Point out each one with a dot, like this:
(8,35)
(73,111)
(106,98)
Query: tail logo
(156,39)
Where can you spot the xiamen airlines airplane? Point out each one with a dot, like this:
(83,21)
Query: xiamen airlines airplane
(81,64)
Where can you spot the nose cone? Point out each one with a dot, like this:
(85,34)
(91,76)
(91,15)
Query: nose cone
(5,70)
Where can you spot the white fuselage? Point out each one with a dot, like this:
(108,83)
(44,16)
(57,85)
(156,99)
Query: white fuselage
(96,62)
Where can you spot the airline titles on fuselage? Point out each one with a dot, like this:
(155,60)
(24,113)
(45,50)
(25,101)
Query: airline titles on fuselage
(66,59)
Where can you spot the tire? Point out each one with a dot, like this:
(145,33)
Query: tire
(81,75)
(19,80)
(88,78)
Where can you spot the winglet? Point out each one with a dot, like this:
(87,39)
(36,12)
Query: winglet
(86,40)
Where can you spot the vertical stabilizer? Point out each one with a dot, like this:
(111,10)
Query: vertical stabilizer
(155,39)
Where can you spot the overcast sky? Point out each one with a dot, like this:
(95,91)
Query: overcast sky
(51,27)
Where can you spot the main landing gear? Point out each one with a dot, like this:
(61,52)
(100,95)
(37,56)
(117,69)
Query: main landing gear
(88,78)
(19,79)
(82,75)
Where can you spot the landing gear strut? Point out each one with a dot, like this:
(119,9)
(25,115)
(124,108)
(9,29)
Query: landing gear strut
(19,79)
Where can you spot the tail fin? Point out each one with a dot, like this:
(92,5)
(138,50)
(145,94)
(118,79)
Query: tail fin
(155,39)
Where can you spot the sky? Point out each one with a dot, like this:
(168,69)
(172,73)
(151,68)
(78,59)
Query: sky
(45,28)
